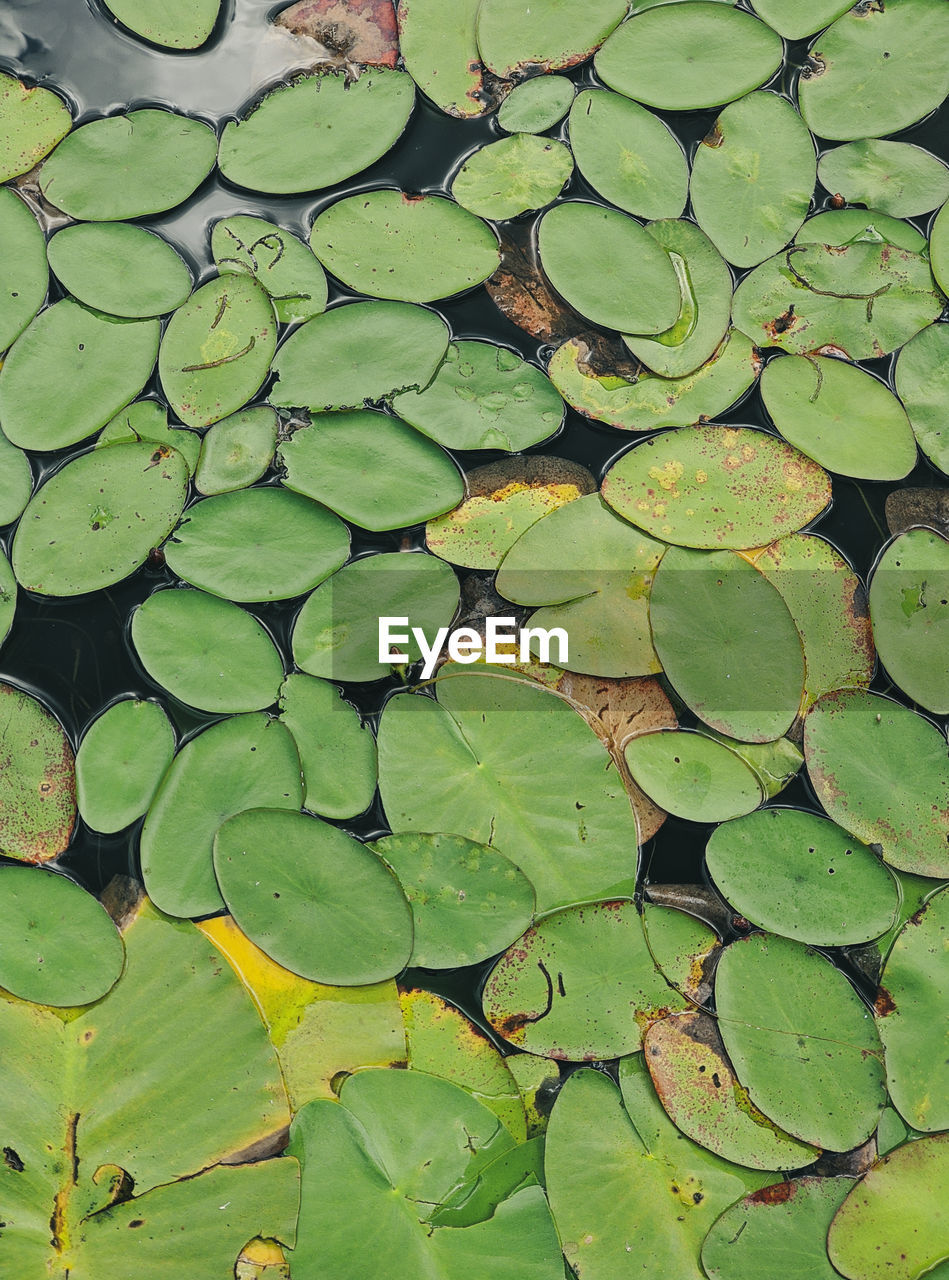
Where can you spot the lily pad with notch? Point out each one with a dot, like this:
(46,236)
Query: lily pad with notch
(279,261)
(236,450)
(550,35)
(37,780)
(337,750)
(121,760)
(511,176)
(119,268)
(24,274)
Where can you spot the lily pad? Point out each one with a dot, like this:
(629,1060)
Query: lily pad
(853,226)
(484,397)
(59,945)
(24,275)
(121,760)
(181,24)
(909,606)
(900,179)
(8,592)
(882,774)
(510,176)
(316,131)
(536,104)
(439,46)
(400,478)
(795,19)
(279,261)
(16,481)
(32,122)
(206,652)
(753,177)
(939,247)
(544,34)
(119,268)
(127,166)
(922,383)
(693,776)
(217,348)
(236,451)
(148,420)
(106,509)
(337,751)
(37,780)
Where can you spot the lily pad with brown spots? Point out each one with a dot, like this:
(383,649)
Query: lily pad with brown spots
(439,47)
(37,780)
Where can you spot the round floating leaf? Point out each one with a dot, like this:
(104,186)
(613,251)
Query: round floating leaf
(96,519)
(484,397)
(337,632)
(361,32)
(922,383)
(243,762)
(799,875)
(881,773)
(337,751)
(59,945)
(581,245)
(121,760)
(127,166)
(439,47)
(510,176)
(119,268)
(412,248)
(316,132)
(148,420)
(279,261)
(217,348)
(504,499)
(32,121)
(877,70)
(7,597)
(313,898)
(693,776)
(400,478)
(909,606)
(70,372)
(686,57)
(257,544)
(795,19)
(711,486)
(236,451)
(24,275)
(939,247)
(206,652)
(357,352)
(852,226)
(628,155)
(504,761)
(727,643)
(753,177)
(549,34)
(900,179)
(536,105)
(16,481)
(705,293)
(37,780)
(181,24)
(468,900)
(812,1063)
(893,1223)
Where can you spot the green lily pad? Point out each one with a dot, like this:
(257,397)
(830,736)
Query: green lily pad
(182,24)
(712,486)
(279,261)
(922,383)
(939,247)
(727,643)
(468,900)
(544,34)
(705,291)
(37,780)
(337,751)
(120,762)
(484,397)
(536,1080)
(582,244)
(106,509)
(504,499)
(206,652)
(881,773)
(876,70)
(853,226)
(812,1064)
(8,591)
(411,248)
(217,348)
(799,875)
(753,177)
(505,762)
(536,104)
(357,352)
(148,420)
(510,176)
(896,177)
(59,945)
(911,1017)
(337,632)
(693,776)
(24,275)
(71,371)
(909,606)
(795,19)
(127,166)
(32,122)
(439,46)
(862,300)
(120,268)
(680,59)
(16,481)
(243,762)
(316,132)
(893,1222)
(257,544)
(236,451)
(401,478)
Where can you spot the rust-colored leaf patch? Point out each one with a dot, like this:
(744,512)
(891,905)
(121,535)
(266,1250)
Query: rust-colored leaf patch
(348,31)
